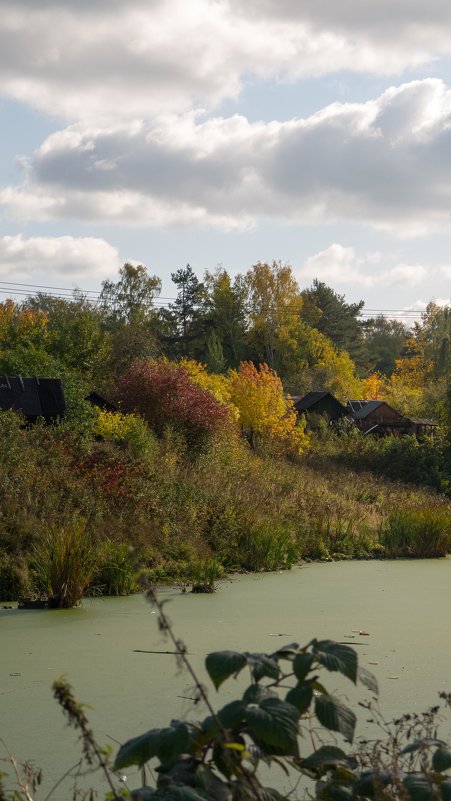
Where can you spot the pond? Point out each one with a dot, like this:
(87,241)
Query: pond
(104,648)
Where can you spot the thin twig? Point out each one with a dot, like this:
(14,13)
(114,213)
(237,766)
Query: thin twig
(60,780)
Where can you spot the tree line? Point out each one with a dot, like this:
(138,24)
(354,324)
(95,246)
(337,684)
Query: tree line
(312,337)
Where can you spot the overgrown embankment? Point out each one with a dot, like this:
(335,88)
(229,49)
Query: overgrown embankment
(72,506)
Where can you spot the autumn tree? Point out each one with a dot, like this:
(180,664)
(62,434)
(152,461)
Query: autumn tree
(163,393)
(265,414)
(217,384)
(405,389)
(324,366)
(24,340)
(434,334)
(274,306)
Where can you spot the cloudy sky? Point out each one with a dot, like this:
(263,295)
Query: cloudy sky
(228,132)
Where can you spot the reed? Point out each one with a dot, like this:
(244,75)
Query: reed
(65,563)
(116,571)
(422,533)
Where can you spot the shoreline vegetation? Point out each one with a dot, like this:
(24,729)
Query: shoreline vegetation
(196,463)
(81,513)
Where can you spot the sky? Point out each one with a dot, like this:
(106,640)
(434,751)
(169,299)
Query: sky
(226,132)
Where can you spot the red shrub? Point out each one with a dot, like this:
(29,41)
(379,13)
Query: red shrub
(163,393)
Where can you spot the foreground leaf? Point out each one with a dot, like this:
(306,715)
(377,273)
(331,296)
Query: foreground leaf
(212,785)
(335,716)
(368,680)
(232,715)
(370,783)
(442,759)
(263,665)
(275,724)
(166,744)
(324,757)
(418,787)
(300,697)
(256,693)
(176,793)
(222,664)
(301,665)
(337,657)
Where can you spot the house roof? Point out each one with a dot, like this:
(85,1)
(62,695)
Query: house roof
(308,400)
(365,408)
(33,396)
(96,399)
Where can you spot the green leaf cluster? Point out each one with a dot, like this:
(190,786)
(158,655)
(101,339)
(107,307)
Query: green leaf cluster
(218,757)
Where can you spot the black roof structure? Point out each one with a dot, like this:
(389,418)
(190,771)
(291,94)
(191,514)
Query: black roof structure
(34,397)
(319,403)
(308,400)
(96,399)
(362,408)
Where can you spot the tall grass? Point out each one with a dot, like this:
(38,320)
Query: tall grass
(65,563)
(423,533)
(115,570)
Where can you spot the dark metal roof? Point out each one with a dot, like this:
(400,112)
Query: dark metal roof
(365,409)
(355,405)
(34,397)
(310,398)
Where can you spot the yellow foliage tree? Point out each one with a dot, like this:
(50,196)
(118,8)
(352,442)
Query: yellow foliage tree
(265,413)
(21,326)
(374,387)
(326,367)
(217,384)
(405,389)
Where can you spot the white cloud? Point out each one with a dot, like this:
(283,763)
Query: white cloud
(340,265)
(66,257)
(384,162)
(131,58)
(421,305)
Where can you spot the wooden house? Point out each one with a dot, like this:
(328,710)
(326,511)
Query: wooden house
(319,403)
(34,397)
(377,417)
(422,427)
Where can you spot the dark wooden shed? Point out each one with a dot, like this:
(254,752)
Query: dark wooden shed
(377,417)
(319,403)
(34,397)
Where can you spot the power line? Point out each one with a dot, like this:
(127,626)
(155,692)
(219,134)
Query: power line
(163,301)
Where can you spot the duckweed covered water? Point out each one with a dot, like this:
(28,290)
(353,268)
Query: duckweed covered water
(105,648)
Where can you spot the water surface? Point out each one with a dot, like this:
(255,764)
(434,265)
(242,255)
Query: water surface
(403,605)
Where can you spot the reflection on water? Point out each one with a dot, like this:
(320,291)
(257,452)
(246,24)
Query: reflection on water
(403,605)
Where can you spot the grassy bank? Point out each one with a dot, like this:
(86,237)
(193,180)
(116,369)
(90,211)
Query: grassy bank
(78,514)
